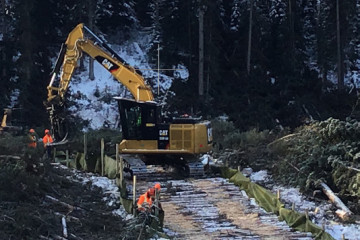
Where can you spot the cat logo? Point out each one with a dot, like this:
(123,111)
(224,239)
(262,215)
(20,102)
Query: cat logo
(163,132)
(164,135)
(107,64)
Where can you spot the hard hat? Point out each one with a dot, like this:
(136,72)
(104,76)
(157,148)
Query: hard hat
(151,192)
(31,130)
(157,186)
(46,131)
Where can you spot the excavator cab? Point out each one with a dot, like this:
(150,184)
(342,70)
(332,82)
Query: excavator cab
(139,120)
(145,131)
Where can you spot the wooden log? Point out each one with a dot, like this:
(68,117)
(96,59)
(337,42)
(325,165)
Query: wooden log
(121,170)
(342,214)
(117,159)
(85,151)
(67,158)
(102,156)
(292,165)
(54,155)
(284,138)
(355,169)
(57,237)
(337,202)
(68,217)
(134,194)
(55,200)
(10,157)
(63,222)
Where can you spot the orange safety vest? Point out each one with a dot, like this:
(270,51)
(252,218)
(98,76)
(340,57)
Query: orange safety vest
(144,199)
(32,144)
(47,139)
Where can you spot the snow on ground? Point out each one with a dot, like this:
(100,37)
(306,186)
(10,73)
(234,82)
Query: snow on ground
(109,188)
(291,195)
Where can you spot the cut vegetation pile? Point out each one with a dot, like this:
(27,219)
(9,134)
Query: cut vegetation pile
(327,151)
(37,198)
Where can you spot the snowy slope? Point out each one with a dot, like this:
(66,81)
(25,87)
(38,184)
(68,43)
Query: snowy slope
(88,93)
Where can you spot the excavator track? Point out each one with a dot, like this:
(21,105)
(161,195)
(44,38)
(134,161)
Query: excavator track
(134,166)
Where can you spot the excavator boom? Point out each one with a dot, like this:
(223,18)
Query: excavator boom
(75,45)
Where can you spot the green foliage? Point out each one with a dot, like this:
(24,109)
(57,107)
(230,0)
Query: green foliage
(321,151)
(220,129)
(111,138)
(227,136)
(16,184)
(97,92)
(144,226)
(107,98)
(13,145)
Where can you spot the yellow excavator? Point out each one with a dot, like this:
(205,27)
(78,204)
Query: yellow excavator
(11,125)
(144,130)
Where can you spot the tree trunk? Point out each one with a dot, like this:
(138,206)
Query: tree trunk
(91,14)
(201,51)
(3,10)
(250,38)
(292,33)
(27,44)
(339,60)
(189,32)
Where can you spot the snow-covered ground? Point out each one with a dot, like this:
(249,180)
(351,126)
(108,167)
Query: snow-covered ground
(317,211)
(108,186)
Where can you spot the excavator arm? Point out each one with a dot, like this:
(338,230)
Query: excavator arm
(77,44)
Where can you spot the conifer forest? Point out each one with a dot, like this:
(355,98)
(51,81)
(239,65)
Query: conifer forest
(259,62)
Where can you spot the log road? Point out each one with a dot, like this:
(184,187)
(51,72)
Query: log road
(213,208)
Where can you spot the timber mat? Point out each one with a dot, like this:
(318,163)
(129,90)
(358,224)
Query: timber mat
(271,203)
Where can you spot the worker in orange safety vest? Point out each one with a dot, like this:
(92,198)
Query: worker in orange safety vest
(145,201)
(47,140)
(157,188)
(32,139)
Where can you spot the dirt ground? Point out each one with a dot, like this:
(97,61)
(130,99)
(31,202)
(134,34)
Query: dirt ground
(33,201)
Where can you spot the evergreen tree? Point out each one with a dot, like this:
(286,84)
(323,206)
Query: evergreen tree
(326,38)
(32,28)
(7,53)
(116,18)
